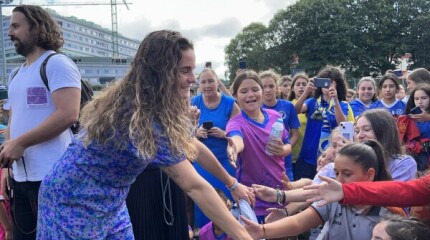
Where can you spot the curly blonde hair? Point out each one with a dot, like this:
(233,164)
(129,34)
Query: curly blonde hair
(148,94)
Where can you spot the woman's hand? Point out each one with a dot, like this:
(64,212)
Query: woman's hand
(194,114)
(326,192)
(275,214)
(267,194)
(245,193)
(276,147)
(216,132)
(254,229)
(201,132)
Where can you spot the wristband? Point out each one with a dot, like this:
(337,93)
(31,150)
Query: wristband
(233,186)
(284,197)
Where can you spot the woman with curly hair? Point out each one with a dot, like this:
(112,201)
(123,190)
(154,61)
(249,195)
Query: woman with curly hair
(128,127)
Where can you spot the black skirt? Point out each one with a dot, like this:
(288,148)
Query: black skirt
(150,215)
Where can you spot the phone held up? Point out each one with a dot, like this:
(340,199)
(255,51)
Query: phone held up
(416,110)
(347,130)
(242,64)
(322,82)
(208,125)
(208,65)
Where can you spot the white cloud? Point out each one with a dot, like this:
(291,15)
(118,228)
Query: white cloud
(209,24)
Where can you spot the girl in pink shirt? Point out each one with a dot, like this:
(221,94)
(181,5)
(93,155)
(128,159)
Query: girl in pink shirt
(248,135)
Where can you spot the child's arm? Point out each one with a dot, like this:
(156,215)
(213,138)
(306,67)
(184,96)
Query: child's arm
(234,147)
(300,106)
(288,226)
(4,221)
(294,136)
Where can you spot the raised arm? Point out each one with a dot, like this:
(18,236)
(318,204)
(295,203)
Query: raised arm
(300,106)
(288,226)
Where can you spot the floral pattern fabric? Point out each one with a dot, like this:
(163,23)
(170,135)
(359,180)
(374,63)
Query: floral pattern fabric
(83,197)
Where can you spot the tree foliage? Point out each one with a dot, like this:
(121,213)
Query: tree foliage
(249,45)
(365,37)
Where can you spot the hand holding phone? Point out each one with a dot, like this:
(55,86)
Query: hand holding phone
(208,125)
(347,130)
(242,64)
(416,110)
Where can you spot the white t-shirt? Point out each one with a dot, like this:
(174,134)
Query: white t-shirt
(31,104)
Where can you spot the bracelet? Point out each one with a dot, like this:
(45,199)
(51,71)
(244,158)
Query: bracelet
(233,186)
(284,197)
(264,231)
(280,197)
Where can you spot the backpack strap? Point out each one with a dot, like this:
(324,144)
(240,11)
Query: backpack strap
(14,73)
(43,70)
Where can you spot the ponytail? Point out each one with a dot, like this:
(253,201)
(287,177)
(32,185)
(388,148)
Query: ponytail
(368,154)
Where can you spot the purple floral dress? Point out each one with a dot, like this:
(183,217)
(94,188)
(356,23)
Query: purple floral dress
(83,197)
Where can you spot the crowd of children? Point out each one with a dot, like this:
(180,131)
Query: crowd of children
(313,146)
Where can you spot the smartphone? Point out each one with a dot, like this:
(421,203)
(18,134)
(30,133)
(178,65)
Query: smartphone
(347,130)
(208,65)
(242,64)
(416,110)
(208,125)
(398,72)
(322,82)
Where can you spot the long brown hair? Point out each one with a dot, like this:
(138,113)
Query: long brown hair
(148,95)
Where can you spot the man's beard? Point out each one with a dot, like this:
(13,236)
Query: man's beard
(24,48)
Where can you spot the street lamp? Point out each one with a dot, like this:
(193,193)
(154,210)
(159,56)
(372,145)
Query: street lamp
(3,51)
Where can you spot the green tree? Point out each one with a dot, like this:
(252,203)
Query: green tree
(365,37)
(249,45)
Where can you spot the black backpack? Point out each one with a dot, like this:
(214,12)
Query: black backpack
(86,90)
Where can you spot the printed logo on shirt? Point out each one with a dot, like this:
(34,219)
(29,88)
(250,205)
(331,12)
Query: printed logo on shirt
(37,97)
(283,114)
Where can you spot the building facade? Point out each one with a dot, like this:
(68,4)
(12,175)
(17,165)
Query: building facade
(88,44)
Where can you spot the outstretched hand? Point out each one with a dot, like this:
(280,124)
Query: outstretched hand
(326,192)
(275,214)
(266,194)
(245,193)
(232,152)
(254,229)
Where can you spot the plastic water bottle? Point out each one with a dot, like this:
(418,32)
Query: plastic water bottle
(276,132)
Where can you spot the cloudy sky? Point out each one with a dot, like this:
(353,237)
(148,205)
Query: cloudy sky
(209,24)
